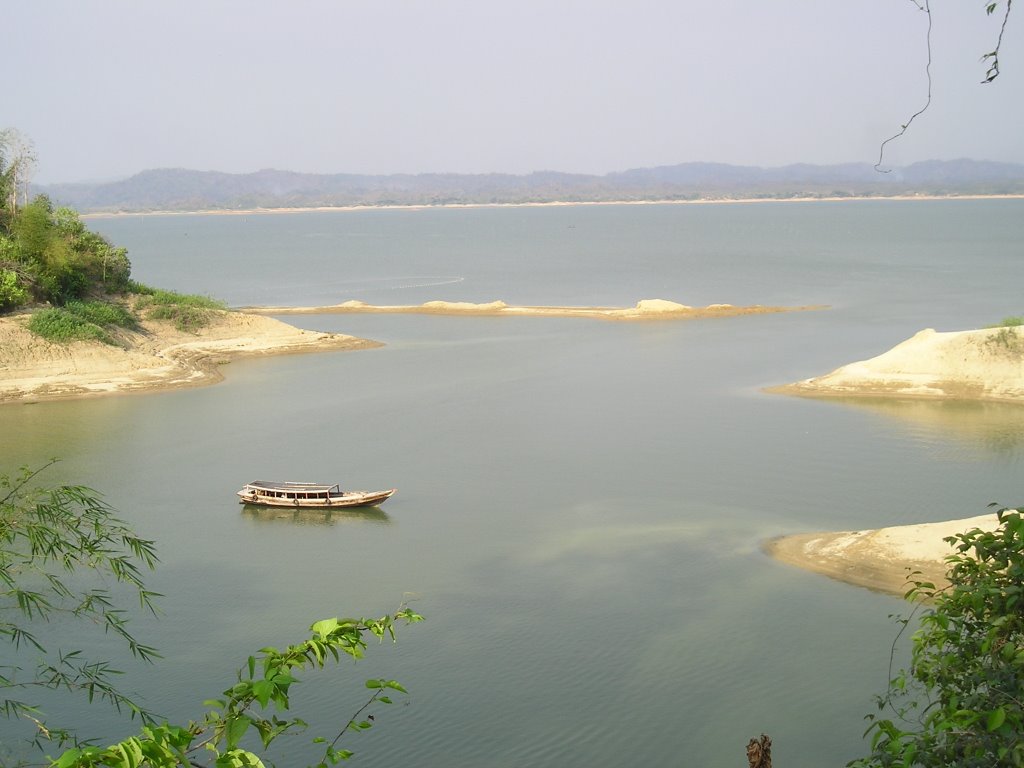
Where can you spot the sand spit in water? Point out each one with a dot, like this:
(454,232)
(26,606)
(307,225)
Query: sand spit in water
(157,356)
(646,309)
(879,559)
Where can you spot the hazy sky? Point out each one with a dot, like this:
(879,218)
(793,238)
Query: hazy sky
(107,88)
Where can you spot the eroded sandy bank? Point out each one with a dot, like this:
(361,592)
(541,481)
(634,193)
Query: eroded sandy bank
(879,559)
(157,356)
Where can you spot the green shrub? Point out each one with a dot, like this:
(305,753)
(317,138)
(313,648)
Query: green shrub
(172,298)
(11,292)
(185,318)
(961,702)
(140,288)
(62,326)
(1008,322)
(188,312)
(1006,340)
(103,313)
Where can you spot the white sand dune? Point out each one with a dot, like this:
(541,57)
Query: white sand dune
(985,364)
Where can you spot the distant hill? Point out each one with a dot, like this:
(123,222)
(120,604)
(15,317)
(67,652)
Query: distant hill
(176,189)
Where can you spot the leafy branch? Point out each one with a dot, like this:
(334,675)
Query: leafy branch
(992,57)
(252,706)
(65,554)
(962,700)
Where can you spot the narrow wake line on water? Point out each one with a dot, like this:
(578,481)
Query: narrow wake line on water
(436,281)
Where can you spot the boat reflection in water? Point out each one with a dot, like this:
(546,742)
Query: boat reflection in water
(321,516)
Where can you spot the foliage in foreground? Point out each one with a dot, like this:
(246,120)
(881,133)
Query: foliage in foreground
(51,542)
(62,551)
(961,703)
(250,707)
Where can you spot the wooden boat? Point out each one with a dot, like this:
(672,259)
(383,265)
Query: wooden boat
(315,495)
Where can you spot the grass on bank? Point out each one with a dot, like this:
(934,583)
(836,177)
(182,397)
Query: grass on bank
(82,321)
(61,325)
(188,312)
(1007,339)
(97,320)
(105,314)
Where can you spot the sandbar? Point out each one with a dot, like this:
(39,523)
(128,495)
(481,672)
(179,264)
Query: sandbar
(974,365)
(721,200)
(156,356)
(986,364)
(879,559)
(645,309)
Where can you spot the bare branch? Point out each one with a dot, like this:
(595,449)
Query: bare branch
(922,5)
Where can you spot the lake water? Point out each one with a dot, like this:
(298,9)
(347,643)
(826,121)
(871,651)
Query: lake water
(581,503)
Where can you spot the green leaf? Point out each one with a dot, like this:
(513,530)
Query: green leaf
(263,690)
(324,627)
(68,759)
(236,729)
(995,719)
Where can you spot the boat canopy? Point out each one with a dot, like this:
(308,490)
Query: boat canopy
(265,485)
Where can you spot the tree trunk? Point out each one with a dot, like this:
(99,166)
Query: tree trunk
(759,752)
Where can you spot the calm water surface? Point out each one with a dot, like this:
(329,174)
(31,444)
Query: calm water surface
(581,503)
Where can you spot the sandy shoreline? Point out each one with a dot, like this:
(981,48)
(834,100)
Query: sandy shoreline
(879,559)
(549,204)
(976,365)
(646,309)
(157,356)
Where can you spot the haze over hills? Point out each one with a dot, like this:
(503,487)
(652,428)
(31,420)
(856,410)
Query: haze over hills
(185,190)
